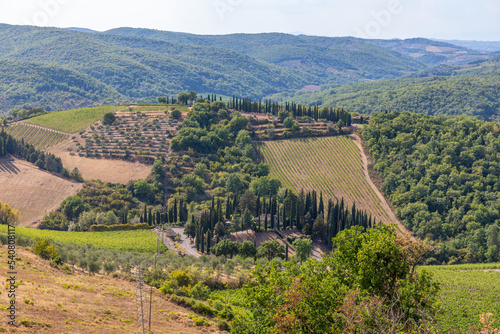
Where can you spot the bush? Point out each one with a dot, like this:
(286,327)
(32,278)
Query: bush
(119,227)
(223,325)
(46,250)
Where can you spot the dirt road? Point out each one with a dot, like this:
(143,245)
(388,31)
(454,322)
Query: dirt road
(383,201)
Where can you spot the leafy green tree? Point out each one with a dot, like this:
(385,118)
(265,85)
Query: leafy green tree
(234,184)
(247,249)
(288,122)
(183,98)
(73,206)
(108,118)
(271,249)
(191,180)
(303,247)
(162,99)
(243,139)
(176,114)
(226,247)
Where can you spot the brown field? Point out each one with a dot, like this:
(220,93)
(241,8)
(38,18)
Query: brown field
(108,170)
(31,190)
(52,301)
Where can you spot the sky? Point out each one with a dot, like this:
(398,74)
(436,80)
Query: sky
(441,19)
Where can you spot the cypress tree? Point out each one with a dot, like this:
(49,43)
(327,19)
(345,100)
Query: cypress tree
(321,208)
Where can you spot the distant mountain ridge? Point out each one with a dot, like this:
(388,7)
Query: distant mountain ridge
(129,64)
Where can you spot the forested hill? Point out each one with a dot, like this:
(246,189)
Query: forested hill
(468,90)
(139,65)
(28,84)
(333,60)
(441,174)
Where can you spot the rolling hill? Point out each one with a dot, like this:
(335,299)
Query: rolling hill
(471,89)
(28,84)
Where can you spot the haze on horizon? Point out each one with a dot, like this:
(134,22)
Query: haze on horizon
(446,19)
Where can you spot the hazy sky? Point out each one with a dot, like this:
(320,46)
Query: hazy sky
(447,19)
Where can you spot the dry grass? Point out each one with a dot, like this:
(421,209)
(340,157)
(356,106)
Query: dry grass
(31,190)
(115,171)
(53,301)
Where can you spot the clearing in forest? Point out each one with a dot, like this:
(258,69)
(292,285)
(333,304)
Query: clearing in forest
(331,165)
(31,190)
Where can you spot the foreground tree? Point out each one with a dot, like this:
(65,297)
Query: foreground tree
(8,215)
(367,285)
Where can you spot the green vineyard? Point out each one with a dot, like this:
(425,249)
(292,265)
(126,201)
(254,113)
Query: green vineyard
(138,241)
(72,120)
(40,138)
(331,165)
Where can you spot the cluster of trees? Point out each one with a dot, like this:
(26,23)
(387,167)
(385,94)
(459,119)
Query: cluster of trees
(442,175)
(8,215)
(293,109)
(368,284)
(20,114)
(25,151)
(287,211)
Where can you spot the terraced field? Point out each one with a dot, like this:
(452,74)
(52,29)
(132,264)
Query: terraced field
(39,137)
(331,165)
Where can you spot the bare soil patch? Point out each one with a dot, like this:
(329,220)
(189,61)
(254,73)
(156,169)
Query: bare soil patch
(32,190)
(108,170)
(52,301)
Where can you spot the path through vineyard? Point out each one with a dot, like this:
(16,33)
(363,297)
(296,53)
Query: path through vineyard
(386,206)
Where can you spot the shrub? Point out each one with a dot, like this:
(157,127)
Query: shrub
(46,250)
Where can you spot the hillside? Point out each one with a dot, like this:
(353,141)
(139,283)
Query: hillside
(25,187)
(430,52)
(143,69)
(332,60)
(330,165)
(51,300)
(52,87)
(471,95)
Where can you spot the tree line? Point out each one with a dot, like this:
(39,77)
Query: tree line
(306,212)
(25,151)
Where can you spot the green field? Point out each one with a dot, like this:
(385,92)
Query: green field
(40,138)
(72,120)
(331,165)
(139,240)
(466,292)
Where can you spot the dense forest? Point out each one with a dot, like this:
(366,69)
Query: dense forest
(471,95)
(139,65)
(442,175)
(24,85)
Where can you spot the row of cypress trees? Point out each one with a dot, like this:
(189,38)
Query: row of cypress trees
(307,212)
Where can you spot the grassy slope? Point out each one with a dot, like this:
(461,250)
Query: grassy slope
(140,240)
(72,120)
(467,291)
(331,165)
(51,301)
